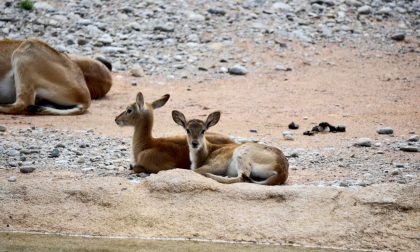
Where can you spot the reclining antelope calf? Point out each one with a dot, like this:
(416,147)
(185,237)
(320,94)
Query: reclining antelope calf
(151,154)
(37,79)
(231,163)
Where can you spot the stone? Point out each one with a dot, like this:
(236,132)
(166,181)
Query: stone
(54,153)
(82,41)
(137,72)
(395,172)
(287,135)
(106,39)
(363,142)
(398,36)
(217,11)
(2,128)
(354,3)
(280,67)
(386,11)
(194,16)
(169,27)
(27,169)
(409,148)
(238,70)
(385,130)
(341,128)
(282,6)
(293,126)
(364,10)
(80,160)
(84,21)
(43,6)
(113,49)
(13,153)
(12,179)
(414,138)
(286,132)
(223,70)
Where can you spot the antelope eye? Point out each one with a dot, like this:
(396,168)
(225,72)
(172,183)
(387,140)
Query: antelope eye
(188,131)
(129,110)
(202,132)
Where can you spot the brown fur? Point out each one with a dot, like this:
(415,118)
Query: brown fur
(231,163)
(151,154)
(33,74)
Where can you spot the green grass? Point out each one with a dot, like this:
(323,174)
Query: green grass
(26,5)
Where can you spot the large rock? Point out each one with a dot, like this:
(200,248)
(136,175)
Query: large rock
(180,180)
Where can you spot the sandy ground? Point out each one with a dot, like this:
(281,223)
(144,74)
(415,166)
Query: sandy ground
(342,86)
(363,90)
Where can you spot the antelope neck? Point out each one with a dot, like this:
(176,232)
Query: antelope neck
(143,138)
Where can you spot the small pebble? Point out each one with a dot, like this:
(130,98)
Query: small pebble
(364,10)
(11,179)
(2,128)
(27,169)
(409,148)
(293,126)
(13,153)
(289,137)
(385,130)
(395,172)
(341,128)
(399,36)
(216,11)
(414,138)
(363,142)
(238,70)
(54,153)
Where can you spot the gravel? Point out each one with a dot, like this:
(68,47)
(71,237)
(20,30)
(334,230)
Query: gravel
(92,154)
(156,35)
(79,151)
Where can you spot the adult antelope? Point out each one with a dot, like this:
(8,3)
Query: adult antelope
(151,154)
(231,163)
(37,79)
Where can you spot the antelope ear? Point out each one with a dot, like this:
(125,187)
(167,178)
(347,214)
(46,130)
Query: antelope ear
(212,119)
(179,118)
(160,102)
(140,100)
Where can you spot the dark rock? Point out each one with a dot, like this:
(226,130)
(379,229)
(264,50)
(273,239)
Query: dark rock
(409,148)
(54,153)
(385,130)
(293,126)
(217,11)
(414,138)
(399,36)
(164,28)
(27,169)
(308,133)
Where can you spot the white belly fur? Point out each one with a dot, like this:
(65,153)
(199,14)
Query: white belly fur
(7,89)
